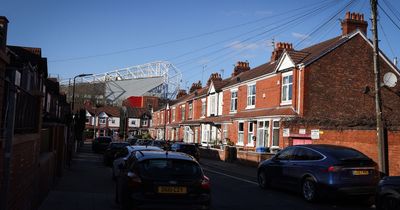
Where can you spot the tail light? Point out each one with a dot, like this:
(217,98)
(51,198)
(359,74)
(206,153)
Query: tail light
(334,168)
(134,180)
(205,183)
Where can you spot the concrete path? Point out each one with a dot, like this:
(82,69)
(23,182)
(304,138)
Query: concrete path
(86,186)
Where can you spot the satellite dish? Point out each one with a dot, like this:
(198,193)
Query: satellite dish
(390,79)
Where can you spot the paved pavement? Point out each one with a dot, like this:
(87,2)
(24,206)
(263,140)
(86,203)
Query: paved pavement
(86,186)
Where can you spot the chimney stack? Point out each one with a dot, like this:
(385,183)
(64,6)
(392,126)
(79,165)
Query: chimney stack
(3,33)
(214,77)
(195,86)
(240,67)
(181,93)
(352,22)
(279,48)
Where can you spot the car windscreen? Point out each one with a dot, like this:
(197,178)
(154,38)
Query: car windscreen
(169,168)
(347,154)
(187,147)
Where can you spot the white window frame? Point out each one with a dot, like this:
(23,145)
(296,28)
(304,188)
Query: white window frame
(250,134)
(288,85)
(183,112)
(240,143)
(213,106)
(102,120)
(173,114)
(190,114)
(234,100)
(203,107)
(250,96)
(272,134)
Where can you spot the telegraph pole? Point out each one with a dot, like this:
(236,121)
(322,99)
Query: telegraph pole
(382,156)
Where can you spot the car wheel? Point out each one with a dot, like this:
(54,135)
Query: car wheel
(390,203)
(309,189)
(263,181)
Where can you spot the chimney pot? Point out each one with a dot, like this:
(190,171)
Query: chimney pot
(352,22)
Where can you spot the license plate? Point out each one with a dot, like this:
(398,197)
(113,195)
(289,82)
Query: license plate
(360,172)
(172,190)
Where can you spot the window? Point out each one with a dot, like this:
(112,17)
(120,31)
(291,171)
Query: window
(183,112)
(287,87)
(102,120)
(234,100)
(213,105)
(113,121)
(144,122)
(286,154)
(203,108)
(307,154)
(275,134)
(240,133)
(87,120)
(173,114)
(190,111)
(251,95)
(250,133)
(133,122)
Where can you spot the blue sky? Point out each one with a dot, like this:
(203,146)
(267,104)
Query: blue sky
(96,36)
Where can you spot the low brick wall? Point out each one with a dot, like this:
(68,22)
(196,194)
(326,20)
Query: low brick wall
(213,153)
(230,154)
(252,158)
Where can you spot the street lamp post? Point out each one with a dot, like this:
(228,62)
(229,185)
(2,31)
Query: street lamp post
(73,107)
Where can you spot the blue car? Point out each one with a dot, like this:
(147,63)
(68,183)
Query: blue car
(320,170)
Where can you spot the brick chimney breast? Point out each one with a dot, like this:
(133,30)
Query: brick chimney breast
(214,77)
(195,86)
(181,93)
(240,67)
(280,47)
(352,22)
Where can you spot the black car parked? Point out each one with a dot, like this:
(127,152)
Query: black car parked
(112,149)
(101,143)
(388,193)
(320,170)
(163,180)
(187,148)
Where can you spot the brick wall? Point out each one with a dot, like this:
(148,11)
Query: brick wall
(268,92)
(335,90)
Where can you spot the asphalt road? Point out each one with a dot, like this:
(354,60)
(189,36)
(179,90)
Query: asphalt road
(88,186)
(239,191)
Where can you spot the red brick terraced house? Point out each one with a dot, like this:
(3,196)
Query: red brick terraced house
(322,94)
(103,121)
(36,142)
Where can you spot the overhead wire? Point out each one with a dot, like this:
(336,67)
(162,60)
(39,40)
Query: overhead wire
(324,23)
(161,43)
(390,18)
(294,18)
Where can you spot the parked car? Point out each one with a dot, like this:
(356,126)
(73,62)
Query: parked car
(132,140)
(187,148)
(112,149)
(163,180)
(160,143)
(143,142)
(122,156)
(320,170)
(100,144)
(388,193)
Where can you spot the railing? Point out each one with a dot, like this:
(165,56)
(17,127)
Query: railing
(27,112)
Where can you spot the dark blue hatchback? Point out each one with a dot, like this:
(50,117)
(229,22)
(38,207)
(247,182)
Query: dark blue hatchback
(320,170)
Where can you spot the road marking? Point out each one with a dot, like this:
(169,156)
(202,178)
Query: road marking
(230,176)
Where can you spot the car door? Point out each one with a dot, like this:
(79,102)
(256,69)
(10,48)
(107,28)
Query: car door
(278,167)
